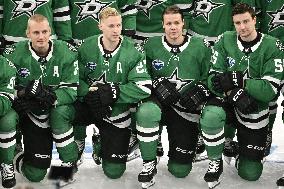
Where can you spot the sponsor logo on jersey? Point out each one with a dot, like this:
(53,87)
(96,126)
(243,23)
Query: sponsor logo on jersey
(146,6)
(26,7)
(158,64)
(277,19)
(91,65)
(24,72)
(91,9)
(205,7)
(231,62)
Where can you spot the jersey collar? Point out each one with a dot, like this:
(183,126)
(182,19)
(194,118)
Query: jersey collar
(253,48)
(179,47)
(102,49)
(38,58)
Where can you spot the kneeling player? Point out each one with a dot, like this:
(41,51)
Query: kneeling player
(8,121)
(46,82)
(178,76)
(112,78)
(248,82)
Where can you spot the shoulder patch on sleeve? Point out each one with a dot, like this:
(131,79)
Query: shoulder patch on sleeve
(280,45)
(206,43)
(71,47)
(9,49)
(219,37)
(139,47)
(11,64)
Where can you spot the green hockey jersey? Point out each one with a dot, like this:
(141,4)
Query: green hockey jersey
(210,18)
(272,20)
(262,68)
(59,69)
(125,66)
(7,82)
(149,16)
(182,65)
(15,14)
(85,15)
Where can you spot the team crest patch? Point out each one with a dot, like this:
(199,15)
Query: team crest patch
(91,65)
(24,72)
(231,61)
(158,64)
(9,49)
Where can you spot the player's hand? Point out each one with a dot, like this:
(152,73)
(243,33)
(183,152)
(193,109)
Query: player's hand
(45,95)
(195,96)
(165,91)
(242,101)
(227,81)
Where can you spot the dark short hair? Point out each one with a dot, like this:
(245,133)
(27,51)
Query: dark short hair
(172,10)
(242,8)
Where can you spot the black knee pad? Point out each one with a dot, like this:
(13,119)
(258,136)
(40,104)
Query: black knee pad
(252,142)
(182,136)
(37,144)
(114,142)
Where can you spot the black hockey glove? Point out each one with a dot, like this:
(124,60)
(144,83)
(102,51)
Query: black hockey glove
(227,81)
(165,91)
(195,96)
(45,95)
(93,100)
(104,95)
(23,105)
(242,101)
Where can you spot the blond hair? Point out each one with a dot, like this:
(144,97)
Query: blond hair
(36,18)
(107,12)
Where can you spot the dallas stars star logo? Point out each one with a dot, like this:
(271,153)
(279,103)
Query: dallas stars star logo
(146,5)
(205,7)
(95,81)
(26,7)
(91,9)
(277,19)
(180,83)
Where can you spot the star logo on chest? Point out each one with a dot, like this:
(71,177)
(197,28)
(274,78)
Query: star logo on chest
(205,7)
(180,83)
(277,19)
(90,9)
(100,80)
(26,7)
(146,5)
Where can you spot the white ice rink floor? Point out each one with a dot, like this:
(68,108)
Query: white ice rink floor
(90,176)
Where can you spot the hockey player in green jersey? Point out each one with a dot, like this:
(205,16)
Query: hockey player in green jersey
(85,14)
(14,15)
(205,18)
(8,121)
(246,69)
(272,23)
(149,16)
(46,83)
(179,65)
(112,78)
